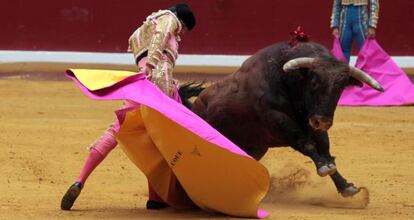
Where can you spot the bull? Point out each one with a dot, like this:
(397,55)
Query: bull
(283,95)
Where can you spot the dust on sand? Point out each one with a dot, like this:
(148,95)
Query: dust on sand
(295,185)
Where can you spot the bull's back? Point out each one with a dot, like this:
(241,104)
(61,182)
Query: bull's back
(214,99)
(228,105)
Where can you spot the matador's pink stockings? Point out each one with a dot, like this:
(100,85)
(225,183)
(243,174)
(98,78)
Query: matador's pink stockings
(98,151)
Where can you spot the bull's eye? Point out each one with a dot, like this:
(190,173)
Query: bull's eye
(314,84)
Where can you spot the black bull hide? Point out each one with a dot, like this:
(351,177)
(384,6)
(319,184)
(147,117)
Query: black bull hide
(265,104)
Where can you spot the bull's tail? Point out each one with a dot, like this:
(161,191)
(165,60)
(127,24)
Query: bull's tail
(189,90)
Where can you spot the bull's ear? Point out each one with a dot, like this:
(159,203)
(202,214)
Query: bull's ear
(354,82)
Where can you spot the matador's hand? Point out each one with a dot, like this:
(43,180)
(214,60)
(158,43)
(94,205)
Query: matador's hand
(335,32)
(371,32)
(148,71)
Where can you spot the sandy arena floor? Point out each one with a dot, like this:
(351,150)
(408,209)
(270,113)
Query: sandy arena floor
(47,125)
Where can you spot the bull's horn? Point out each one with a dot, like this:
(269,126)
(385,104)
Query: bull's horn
(364,77)
(302,62)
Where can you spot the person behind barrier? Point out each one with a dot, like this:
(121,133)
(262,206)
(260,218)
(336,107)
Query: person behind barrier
(354,20)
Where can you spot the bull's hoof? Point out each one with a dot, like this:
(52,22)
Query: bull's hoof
(70,196)
(327,169)
(350,191)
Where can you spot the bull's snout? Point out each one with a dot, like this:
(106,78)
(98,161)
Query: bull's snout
(320,123)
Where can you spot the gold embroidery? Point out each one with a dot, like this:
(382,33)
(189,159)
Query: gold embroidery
(153,34)
(354,2)
(162,75)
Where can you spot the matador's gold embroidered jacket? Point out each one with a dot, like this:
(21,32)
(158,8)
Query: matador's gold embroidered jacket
(338,5)
(157,35)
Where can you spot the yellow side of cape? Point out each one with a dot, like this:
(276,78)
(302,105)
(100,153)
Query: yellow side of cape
(135,141)
(214,178)
(95,79)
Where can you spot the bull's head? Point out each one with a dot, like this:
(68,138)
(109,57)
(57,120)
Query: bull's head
(324,82)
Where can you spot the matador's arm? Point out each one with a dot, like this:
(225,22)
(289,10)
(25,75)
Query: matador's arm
(164,29)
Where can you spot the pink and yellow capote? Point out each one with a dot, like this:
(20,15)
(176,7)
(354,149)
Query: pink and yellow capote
(186,160)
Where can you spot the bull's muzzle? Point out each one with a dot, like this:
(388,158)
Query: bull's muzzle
(320,123)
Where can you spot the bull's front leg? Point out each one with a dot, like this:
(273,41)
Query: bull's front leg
(321,139)
(314,145)
(288,132)
(322,143)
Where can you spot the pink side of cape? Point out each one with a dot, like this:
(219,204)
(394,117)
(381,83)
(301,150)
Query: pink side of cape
(375,61)
(337,50)
(138,89)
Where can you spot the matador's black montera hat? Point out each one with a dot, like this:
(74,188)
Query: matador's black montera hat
(185,14)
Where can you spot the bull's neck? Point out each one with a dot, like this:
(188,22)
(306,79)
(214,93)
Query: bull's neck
(293,91)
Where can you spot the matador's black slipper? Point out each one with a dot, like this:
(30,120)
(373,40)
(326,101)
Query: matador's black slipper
(70,196)
(156,205)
